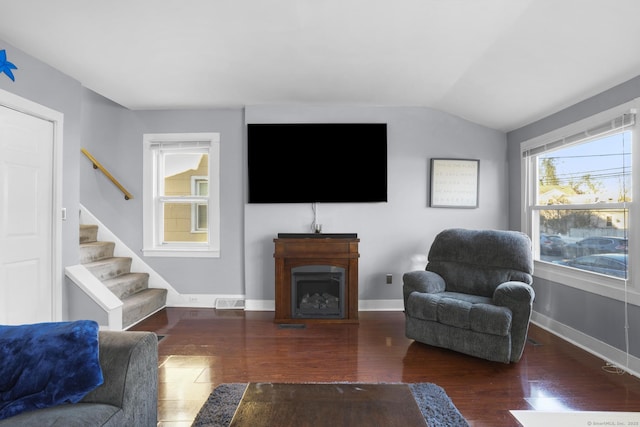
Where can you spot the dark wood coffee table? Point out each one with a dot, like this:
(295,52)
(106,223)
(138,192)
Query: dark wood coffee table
(334,405)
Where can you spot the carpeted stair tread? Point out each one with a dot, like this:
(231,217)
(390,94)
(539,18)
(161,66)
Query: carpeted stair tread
(139,301)
(109,268)
(141,304)
(88,233)
(95,251)
(128,284)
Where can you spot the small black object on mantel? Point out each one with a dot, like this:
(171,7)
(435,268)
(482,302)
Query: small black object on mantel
(317,235)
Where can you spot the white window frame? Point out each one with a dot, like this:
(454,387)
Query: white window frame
(195,180)
(611,287)
(153,222)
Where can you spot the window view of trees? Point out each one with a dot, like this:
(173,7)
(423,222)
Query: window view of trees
(581,204)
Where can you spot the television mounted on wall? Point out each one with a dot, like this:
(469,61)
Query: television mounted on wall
(317,162)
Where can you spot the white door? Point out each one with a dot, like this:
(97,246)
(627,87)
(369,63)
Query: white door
(28,238)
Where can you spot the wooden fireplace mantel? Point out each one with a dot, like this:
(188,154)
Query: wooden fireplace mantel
(295,250)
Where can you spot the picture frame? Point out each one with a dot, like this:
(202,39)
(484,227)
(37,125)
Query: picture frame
(454,183)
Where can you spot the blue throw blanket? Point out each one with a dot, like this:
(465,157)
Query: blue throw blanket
(47,364)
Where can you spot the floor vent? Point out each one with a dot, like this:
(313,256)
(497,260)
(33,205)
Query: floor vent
(533,342)
(229,304)
(292,326)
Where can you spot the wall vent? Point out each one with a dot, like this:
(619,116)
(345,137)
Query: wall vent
(229,303)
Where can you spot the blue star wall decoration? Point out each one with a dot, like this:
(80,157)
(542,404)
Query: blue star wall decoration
(6,66)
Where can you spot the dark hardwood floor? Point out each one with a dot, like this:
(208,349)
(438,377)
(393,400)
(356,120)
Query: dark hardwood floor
(203,348)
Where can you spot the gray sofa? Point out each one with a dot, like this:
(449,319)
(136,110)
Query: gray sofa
(128,396)
(475,294)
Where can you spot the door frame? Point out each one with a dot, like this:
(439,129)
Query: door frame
(17,103)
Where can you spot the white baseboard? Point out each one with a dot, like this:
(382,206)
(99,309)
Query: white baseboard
(270,305)
(363,305)
(381,305)
(596,347)
(201,300)
(259,305)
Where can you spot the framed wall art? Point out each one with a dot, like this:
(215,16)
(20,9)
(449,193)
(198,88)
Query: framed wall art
(454,183)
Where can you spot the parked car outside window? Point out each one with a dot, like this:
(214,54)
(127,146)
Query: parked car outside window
(551,244)
(596,245)
(609,264)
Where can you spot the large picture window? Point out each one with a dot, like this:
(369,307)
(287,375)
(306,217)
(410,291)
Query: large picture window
(181,195)
(578,193)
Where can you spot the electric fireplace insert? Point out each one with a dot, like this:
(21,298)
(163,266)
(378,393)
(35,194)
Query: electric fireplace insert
(317,291)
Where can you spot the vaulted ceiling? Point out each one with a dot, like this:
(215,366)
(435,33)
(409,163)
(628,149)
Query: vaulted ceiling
(499,63)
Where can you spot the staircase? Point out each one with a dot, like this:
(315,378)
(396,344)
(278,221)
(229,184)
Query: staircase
(139,301)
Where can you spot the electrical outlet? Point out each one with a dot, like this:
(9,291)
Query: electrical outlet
(193,299)
(389,279)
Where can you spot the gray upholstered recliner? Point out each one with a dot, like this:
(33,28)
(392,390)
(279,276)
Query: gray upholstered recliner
(475,295)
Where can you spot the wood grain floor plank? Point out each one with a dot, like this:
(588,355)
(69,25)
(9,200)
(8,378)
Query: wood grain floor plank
(202,348)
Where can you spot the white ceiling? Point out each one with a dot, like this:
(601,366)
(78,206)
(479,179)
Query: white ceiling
(499,63)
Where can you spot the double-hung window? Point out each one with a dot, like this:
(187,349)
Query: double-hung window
(181,195)
(577,200)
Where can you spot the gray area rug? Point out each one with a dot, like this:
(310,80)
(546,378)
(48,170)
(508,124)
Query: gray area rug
(436,407)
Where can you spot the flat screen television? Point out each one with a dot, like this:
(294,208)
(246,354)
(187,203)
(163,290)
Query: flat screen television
(317,162)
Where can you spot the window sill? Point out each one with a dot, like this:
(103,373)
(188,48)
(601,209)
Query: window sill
(181,253)
(609,287)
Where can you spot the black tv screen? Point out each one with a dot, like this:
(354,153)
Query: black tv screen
(317,162)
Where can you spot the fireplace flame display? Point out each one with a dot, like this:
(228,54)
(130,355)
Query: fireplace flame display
(317,291)
(319,302)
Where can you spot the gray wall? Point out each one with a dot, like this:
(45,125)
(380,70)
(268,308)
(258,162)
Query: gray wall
(390,233)
(44,85)
(596,316)
(113,134)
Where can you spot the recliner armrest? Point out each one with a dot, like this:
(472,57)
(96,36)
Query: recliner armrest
(513,294)
(518,297)
(421,281)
